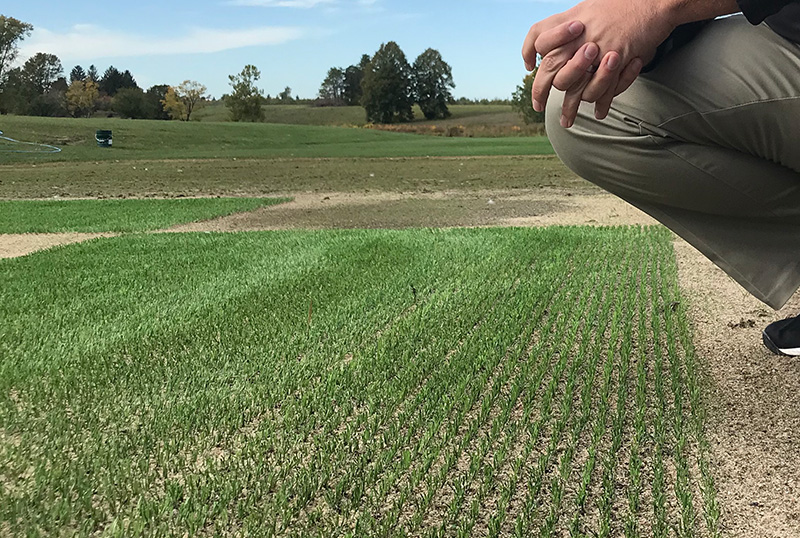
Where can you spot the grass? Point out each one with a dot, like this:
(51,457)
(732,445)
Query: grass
(52,216)
(487,382)
(154,140)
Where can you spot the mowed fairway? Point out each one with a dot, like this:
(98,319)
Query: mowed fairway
(479,382)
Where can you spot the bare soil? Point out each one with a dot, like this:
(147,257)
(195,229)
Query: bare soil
(754,411)
(16,245)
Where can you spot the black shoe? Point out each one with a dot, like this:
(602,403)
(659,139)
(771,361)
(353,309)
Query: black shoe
(783,337)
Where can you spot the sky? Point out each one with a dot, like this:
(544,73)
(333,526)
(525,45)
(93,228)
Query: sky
(292,42)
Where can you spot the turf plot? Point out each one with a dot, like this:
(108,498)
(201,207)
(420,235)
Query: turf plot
(52,216)
(527,382)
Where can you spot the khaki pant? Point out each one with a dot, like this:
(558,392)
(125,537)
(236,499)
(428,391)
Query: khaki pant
(709,144)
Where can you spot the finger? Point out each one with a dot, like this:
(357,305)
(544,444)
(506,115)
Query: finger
(626,78)
(603,104)
(606,77)
(572,101)
(576,68)
(547,71)
(628,75)
(529,48)
(560,35)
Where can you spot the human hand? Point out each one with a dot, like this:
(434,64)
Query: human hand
(624,33)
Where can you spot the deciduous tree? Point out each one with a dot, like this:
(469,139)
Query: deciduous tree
(387,85)
(129,103)
(332,89)
(192,93)
(353,76)
(41,71)
(12,32)
(522,101)
(173,104)
(433,80)
(244,102)
(82,98)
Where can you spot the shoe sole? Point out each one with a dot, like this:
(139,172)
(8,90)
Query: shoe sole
(778,351)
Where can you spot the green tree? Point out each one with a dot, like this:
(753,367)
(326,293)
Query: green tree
(40,72)
(92,74)
(12,32)
(353,76)
(244,102)
(77,74)
(332,89)
(114,80)
(154,106)
(387,86)
(129,103)
(522,101)
(433,80)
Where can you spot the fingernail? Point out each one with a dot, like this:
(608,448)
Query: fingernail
(591,51)
(537,106)
(576,28)
(613,62)
(564,122)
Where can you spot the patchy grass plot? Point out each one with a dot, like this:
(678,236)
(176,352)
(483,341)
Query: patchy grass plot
(526,382)
(53,216)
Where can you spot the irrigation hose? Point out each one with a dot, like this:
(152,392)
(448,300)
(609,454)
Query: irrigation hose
(44,148)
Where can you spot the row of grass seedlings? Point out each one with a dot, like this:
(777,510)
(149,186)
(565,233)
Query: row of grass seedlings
(708,488)
(593,342)
(621,297)
(510,329)
(537,479)
(635,466)
(475,449)
(356,479)
(566,325)
(661,526)
(425,396)
(683,488)
(606,500)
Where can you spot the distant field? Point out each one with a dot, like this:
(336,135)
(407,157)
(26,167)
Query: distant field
(479,382)
(28,216)
(141,140)
(341,115)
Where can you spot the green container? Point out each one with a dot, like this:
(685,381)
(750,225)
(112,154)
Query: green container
(104,139)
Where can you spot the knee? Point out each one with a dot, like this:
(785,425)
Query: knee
(572,146)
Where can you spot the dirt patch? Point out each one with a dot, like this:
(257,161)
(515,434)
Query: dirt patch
(535,207)
(16,245)
(754,412)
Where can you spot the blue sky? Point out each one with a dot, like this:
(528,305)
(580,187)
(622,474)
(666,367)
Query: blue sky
(292,42)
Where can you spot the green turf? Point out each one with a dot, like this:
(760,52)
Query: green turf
(527,382)
(34,216)
(142,140)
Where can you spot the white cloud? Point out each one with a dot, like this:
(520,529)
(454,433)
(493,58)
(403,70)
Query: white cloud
(88,42)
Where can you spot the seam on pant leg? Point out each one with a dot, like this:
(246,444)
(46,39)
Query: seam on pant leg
(727,108)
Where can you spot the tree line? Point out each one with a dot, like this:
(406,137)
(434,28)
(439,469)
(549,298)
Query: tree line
(387,86)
